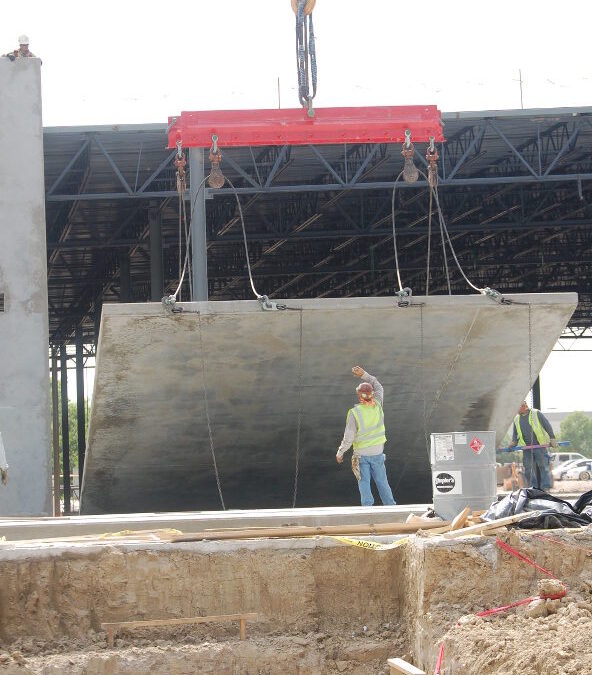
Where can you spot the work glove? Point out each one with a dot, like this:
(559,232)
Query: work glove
(553,442)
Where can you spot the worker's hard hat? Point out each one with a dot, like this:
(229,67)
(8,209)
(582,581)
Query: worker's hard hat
(365,391)
(23,40)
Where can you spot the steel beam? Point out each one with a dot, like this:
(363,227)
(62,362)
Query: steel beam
(65,428)
(80,409)
(198,225)
(336,187)
(382,124)
(156,270)
(125,279)
(55,432)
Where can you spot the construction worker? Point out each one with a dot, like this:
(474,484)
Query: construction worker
(364,427)
(531,427)
(23,50)
(3,463)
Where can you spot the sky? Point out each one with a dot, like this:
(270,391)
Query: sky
(138,62)
(135,62)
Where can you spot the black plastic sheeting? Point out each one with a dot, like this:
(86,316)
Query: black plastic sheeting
(549,512)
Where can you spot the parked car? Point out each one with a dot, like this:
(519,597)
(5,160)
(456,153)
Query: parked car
(581,471)
(558,458)
(560,473)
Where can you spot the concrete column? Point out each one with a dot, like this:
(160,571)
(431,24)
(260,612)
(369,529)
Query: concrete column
(125,278)
(97,317)
(198,225)
(81,412)
(55,408)
(536,393)
(24,336)
(65,427)
(156,275)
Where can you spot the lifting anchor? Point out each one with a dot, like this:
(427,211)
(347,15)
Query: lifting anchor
(216,178)
(410,172)
(432,158)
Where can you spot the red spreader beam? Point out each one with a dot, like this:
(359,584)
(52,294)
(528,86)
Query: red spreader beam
(383,124)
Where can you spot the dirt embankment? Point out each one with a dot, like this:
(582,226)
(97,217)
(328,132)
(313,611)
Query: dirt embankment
(323,608)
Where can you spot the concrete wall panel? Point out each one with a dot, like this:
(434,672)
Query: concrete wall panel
(148,447)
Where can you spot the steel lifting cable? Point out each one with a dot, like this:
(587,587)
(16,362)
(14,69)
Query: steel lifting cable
(395,233)
(207,410)
(188,241)
(204,369)
(427,286)
(443,226)
(242,219)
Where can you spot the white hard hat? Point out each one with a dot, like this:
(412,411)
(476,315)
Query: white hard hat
(23,40)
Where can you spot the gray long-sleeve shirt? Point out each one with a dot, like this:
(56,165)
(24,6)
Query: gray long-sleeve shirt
(3,462)
(350,425)
(527,431)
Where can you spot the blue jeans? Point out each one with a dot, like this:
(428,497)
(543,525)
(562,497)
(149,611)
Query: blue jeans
(373,465)
(537,471)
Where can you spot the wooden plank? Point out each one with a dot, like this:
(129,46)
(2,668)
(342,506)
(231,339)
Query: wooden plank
(112,628)
(461,519)
(400,666)
(306,531)
(483,528)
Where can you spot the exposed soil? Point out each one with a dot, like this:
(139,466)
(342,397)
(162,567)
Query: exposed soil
(548,638)
(308,654)
(323,607)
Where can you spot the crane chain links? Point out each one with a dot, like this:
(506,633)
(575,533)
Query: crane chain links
(306,57)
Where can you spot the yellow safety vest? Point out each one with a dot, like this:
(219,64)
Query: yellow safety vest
(369,425)
(535,424)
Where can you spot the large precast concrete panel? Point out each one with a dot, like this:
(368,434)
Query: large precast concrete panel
(446,363)
(24,376)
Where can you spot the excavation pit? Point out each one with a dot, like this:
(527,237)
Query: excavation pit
(323,606)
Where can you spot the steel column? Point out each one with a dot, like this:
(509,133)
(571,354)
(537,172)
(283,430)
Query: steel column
(536,393)
(156,273)
(65,427)
(98,304)
(198,225)
(80,409)
(56,432)
(125,279)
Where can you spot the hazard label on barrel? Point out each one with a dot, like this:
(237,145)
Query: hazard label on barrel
(476,445)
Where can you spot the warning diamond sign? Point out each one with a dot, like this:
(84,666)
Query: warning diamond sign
(476,445)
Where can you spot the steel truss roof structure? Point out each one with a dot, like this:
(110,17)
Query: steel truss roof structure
(515,189)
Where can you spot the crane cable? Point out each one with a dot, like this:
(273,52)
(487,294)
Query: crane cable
(306,57)
(445,237)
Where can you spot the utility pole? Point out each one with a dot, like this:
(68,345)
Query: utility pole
(521,82)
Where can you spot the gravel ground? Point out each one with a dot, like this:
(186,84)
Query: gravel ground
(571,486)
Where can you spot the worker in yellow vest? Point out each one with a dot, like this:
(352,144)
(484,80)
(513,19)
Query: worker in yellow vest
(364,428)
(531,427)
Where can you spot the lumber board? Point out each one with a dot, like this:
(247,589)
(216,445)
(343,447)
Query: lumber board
(460,520)
(308,531)
(483,528)
(401,666)
(112,628)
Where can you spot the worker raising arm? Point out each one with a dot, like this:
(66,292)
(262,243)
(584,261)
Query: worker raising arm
(364,428)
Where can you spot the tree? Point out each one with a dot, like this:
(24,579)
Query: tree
(577,428)
(72,430)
